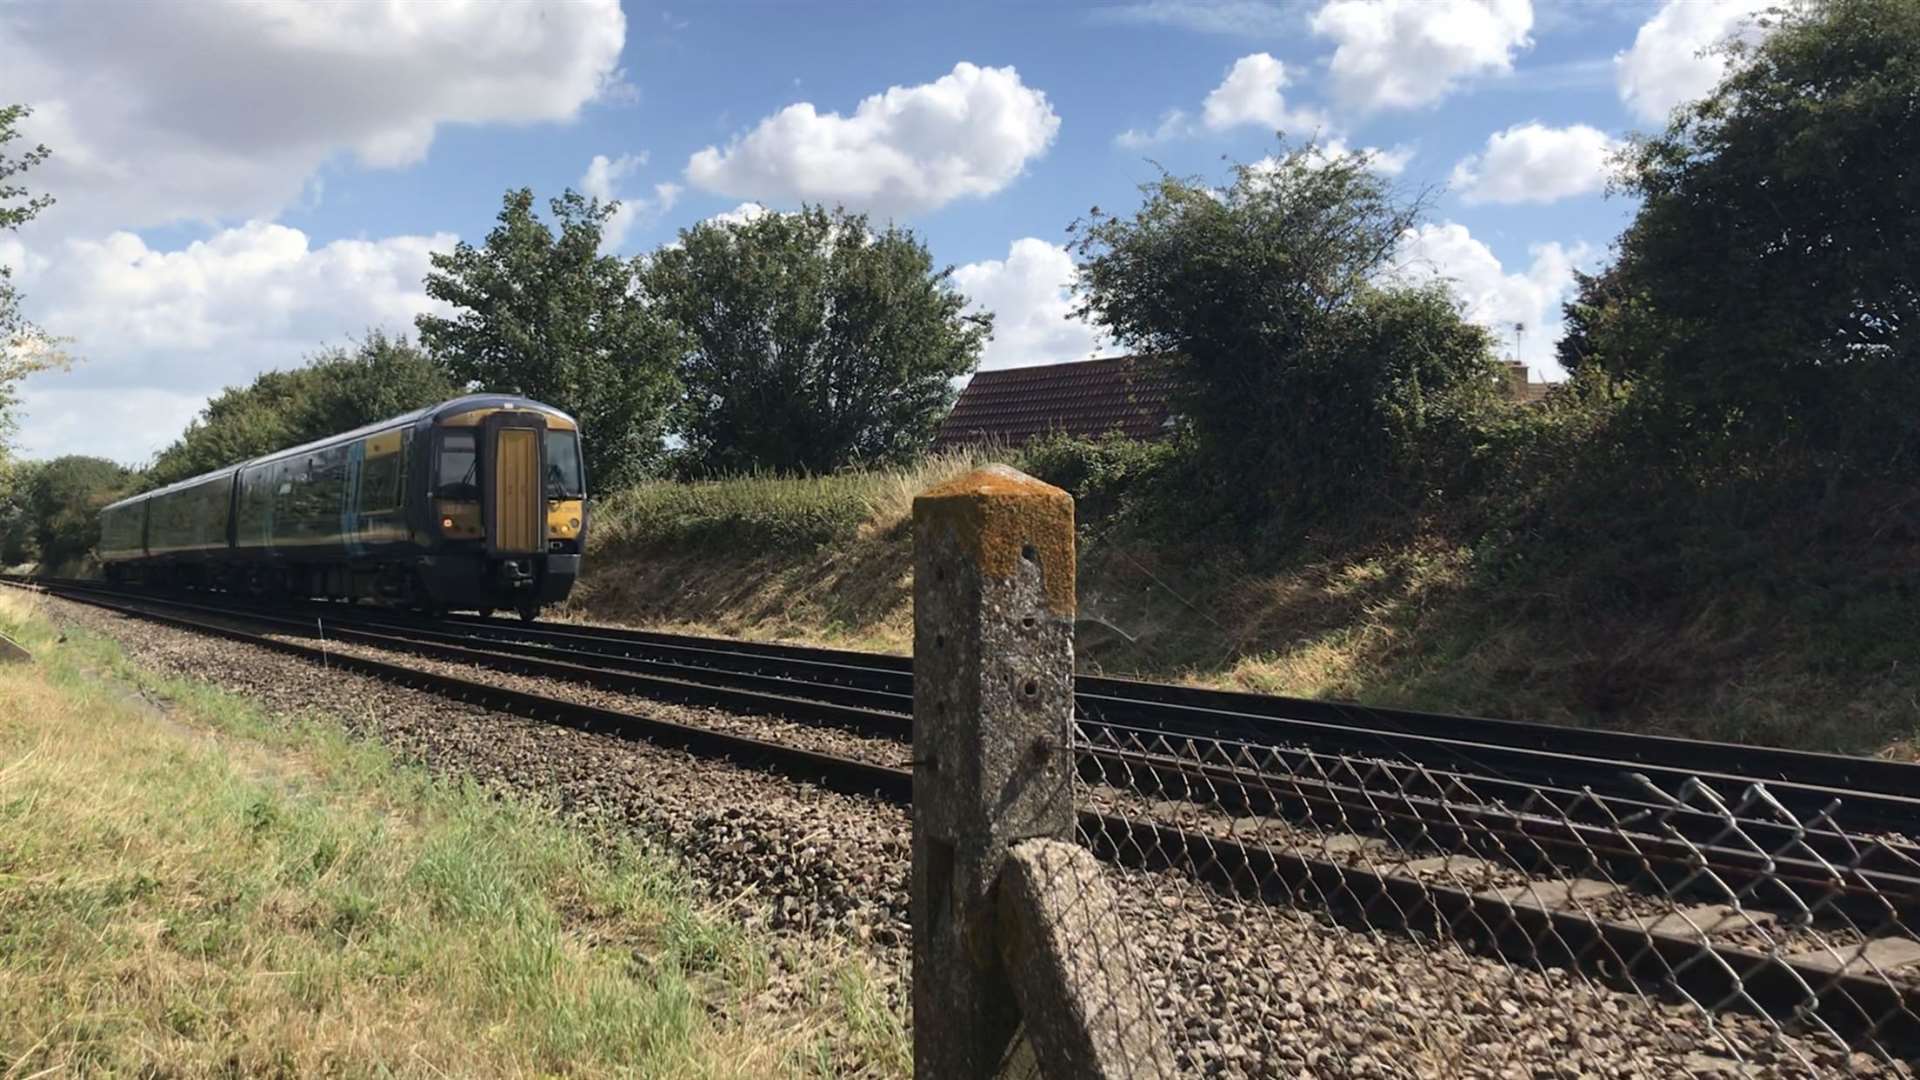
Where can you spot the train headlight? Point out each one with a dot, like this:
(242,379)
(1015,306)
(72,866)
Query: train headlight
(446,523)
(573,523)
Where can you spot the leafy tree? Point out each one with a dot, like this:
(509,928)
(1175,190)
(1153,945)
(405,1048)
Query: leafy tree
(542,313)
(337,390)
(63,501)
(1766,286)
(1307,376)
(19,542)
(24,347)
(812,340)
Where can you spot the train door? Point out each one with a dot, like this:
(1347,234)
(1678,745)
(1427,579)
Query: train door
(512,507)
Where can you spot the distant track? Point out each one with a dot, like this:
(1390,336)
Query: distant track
(1422,774)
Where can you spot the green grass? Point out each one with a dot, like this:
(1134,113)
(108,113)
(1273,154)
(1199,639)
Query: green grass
(196,889)
(756,513)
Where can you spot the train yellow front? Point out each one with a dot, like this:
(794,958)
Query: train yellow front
(478,503)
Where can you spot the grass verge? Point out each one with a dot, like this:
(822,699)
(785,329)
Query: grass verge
(189,888)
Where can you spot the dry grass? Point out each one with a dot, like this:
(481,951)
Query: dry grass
(196,891)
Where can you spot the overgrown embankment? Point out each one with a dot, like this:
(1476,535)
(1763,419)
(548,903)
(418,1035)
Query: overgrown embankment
(1800,630)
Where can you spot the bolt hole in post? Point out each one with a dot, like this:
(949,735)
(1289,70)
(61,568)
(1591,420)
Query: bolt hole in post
(1029,553)
(1030,689)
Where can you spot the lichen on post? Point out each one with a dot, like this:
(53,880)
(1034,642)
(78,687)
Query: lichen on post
(993,761)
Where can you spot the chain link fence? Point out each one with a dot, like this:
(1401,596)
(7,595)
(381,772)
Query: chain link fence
(1294,912)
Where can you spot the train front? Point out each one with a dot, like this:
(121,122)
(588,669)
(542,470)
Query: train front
(507,503)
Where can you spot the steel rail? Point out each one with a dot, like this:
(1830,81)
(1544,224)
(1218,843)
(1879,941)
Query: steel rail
(1878,795)
(1856,1006)
(1674,835)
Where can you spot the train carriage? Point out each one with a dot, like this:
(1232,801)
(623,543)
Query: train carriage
(476,503)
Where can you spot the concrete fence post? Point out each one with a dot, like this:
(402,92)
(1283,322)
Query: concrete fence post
(993,599)
(1011,921)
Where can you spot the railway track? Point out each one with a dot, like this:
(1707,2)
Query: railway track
(1244,758)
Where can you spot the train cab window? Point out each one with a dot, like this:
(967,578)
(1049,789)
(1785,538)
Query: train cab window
(563,466)
(457,469)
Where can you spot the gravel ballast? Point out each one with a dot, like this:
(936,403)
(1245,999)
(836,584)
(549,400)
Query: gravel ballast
(1245,990)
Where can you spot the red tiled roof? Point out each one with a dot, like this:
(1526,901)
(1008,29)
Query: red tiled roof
(1129,395)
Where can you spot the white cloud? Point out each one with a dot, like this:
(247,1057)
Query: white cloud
(1385,162)
(158,331)
(743,214)
(1405,53)
(1029,295)
(1248,95)
(1666,65)
(970,132)
(221,110)
(1535,163)
(1240,18)
(1494,297)
(603,178)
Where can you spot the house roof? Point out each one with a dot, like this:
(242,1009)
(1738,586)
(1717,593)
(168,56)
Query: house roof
(1128,395)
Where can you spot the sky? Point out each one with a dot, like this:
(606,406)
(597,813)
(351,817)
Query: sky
(240,185)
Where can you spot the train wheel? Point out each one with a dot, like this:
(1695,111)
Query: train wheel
(529,611)
(486,613)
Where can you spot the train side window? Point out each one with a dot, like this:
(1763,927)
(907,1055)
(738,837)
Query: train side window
(457,469)
(380,480)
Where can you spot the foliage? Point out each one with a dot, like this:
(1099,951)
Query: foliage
(18,542)
(1310,380)
(767,512)
(542,313)
(813,341)
(1114,479)
(24,347)
(337,390)
(1766,287)
(58,512)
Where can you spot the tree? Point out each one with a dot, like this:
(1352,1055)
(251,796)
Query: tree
(24,347)
(337,390)
(63,501)
(1308,377)
(812,340)
(1769,273)
(545,314)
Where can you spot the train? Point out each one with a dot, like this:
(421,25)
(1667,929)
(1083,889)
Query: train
(474,504)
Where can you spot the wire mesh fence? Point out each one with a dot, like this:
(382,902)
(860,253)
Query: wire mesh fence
(1298,912)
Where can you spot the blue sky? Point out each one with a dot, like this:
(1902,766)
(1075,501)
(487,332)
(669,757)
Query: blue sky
(242,185)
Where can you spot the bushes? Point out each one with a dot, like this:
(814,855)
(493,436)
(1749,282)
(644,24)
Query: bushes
(1112,479)
(749,514)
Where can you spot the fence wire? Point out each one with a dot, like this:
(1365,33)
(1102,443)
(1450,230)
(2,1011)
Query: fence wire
(1288,912)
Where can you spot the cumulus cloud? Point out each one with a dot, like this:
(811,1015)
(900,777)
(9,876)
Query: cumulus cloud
(161,330)
(1248,95)
(744,214)
(1495,297)
(1029,293)
(969,133)
(604,177)
(1406,53)
(1669,63)
(221,110)
(1535,163)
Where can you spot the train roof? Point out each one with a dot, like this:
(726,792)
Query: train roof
(451,407)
